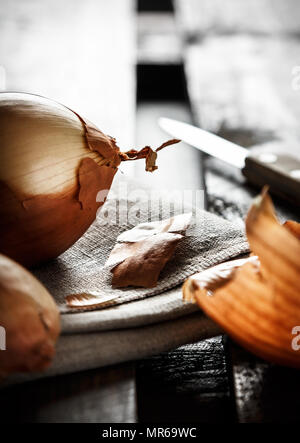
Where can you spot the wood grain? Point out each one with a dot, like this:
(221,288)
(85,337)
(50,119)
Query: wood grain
(239,65)
(70,51)
(189,384)
(241,87)
(104,395)
(264,393)
(81,54)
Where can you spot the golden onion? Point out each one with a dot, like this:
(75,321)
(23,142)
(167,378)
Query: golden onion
(52,165)
(30,319)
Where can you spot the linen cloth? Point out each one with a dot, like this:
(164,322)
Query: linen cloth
(144,321)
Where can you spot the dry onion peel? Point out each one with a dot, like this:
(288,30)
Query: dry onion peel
(30,318)
(90,301)
(293,227)
(258,305)
(142,252)
(213,278)
(277,248)
(52,165)
(137,259)
(144,260)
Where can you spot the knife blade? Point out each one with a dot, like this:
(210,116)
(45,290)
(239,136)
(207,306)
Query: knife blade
(281,172)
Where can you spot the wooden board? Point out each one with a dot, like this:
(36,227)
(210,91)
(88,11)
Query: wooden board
(45,47)
(189,384)
(105,395)
(241,87)
(158,39)
(240,67)
(81,54)
(264,393)
(204,17)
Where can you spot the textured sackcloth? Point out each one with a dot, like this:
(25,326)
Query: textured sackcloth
(145,321)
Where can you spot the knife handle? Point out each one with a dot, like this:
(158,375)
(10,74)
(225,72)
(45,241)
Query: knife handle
(280,171)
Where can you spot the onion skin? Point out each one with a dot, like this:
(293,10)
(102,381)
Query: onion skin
(293,227)
(259,306)
(48,196)
(30,318)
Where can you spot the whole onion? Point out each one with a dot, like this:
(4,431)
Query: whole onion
(52,165)
(30,319)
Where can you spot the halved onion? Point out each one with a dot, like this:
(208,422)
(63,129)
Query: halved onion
(52,165)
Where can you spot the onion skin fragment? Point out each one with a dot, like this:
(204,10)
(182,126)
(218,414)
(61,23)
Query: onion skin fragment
(293,227)
(30,318)
(142,252)
(277,248)
(259,308)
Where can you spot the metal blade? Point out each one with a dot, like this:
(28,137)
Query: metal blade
(205,141)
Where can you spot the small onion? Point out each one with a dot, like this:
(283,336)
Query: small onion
(30,319)
(52,165)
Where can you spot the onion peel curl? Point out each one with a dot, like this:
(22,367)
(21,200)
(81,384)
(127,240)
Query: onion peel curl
(257,302)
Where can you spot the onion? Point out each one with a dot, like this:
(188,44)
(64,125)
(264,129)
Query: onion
(52,165)
(30,319)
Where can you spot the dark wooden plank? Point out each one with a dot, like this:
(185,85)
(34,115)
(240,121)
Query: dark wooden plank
(160,73)
(154,5)
(233,81)
(105,395)
(189,384)
(239,74)
(265,393)
(81,54)
(241,86)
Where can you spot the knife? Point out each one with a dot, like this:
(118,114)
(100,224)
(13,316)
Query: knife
(281,172)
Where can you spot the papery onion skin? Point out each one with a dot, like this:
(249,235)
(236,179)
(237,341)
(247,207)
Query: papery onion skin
(259,306)
(51,169)
(30,318)
(293,227)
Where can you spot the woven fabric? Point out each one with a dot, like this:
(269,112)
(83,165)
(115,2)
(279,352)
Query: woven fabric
(210,240)
(144,321)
